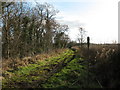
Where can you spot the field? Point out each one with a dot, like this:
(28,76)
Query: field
(65,68)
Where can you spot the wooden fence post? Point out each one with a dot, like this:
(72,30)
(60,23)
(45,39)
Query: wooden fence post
(88,42)
(88,45)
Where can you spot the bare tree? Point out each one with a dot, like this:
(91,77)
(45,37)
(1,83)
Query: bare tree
(81,36)
(61,39)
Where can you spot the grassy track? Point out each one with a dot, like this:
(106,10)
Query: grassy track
(65,70)
(34,74)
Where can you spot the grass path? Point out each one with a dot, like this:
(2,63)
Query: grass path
(34,75)
(65,70)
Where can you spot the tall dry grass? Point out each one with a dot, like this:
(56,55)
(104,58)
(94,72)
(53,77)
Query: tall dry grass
(104,62)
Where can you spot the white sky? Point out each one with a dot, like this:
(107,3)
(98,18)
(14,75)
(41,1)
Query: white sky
(98,17)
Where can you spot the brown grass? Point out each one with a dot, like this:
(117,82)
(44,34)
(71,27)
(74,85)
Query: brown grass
(98,52)
(14,63)
(104,63)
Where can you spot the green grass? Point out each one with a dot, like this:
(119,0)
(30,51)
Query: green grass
(74,75)
(55,72)
(35,73)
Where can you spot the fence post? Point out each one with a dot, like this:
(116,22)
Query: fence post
(88,45)
(88,42)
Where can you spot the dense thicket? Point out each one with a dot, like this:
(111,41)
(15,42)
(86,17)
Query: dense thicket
(28,30)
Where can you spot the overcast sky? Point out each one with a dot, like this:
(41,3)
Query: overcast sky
(98,17)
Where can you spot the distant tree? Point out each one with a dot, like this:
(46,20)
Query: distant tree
(81,36)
